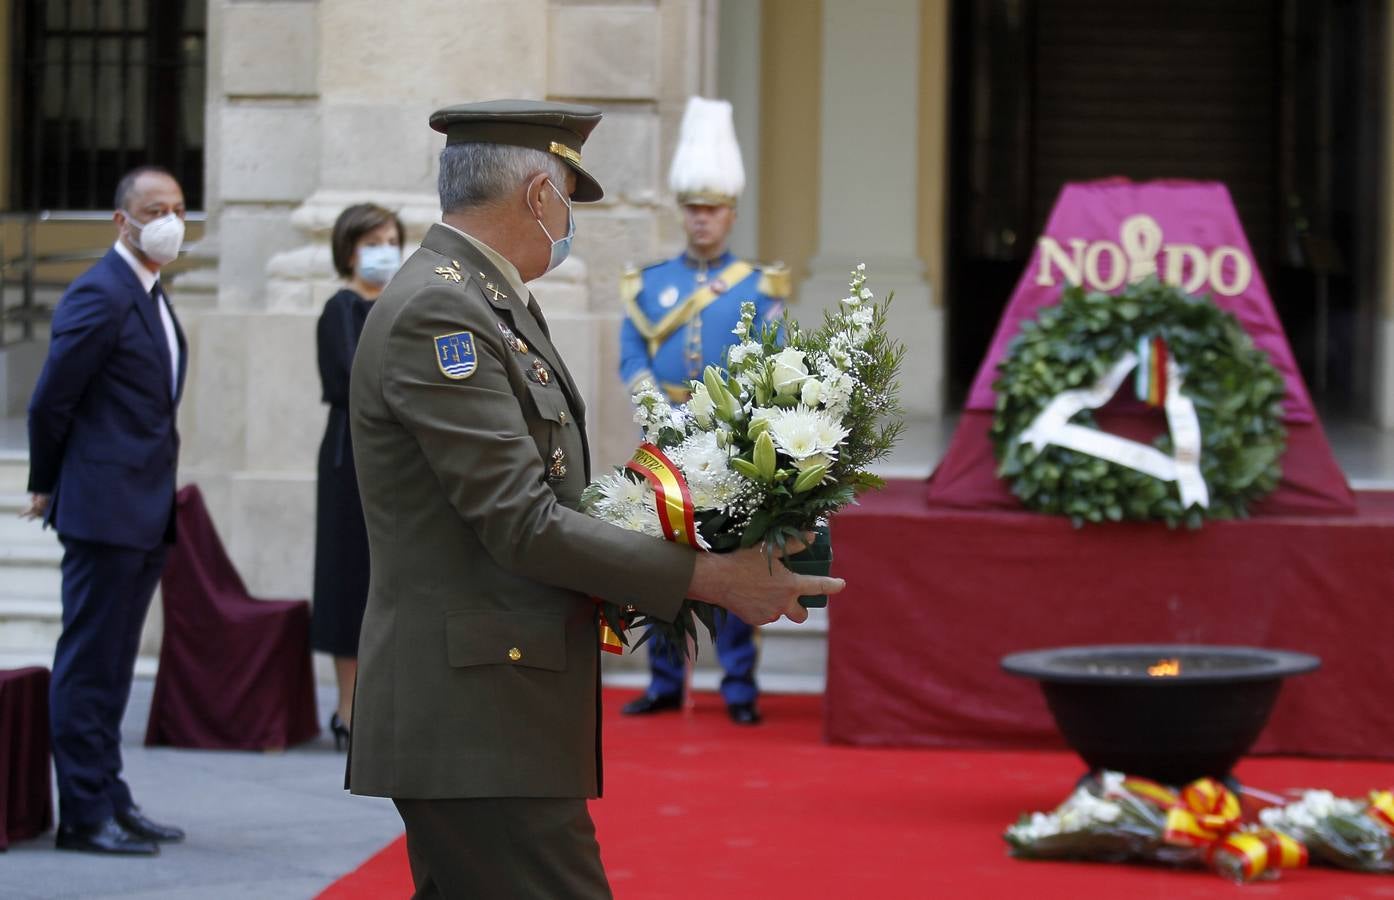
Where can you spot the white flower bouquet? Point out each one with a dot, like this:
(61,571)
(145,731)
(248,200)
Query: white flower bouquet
(766,449)
(1117,818)
(1340,831)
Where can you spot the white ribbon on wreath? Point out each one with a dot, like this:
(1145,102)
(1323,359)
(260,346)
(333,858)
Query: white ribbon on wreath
(1052,426)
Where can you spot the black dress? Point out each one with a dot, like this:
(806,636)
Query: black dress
(341,538)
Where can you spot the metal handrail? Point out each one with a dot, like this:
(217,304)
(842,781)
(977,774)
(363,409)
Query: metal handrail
(24,266)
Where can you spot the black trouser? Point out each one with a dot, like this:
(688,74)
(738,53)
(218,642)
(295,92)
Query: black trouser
(106,594)
(516,848)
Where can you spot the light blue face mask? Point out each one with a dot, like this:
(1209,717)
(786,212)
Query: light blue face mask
(561,247)
(377,263)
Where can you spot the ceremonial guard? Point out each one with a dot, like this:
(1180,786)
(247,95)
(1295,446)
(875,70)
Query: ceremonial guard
(679,317)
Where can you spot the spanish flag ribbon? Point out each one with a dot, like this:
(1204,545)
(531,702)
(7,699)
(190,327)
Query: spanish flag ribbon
(675,514)
(1382,809)
(1205,814)
(671,495)
(610,642)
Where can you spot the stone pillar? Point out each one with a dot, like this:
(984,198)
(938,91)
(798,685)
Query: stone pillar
(868,182)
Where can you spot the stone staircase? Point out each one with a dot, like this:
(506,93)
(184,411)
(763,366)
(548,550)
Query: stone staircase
(30,610)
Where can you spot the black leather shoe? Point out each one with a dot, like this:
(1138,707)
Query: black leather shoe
(743,713)
(646,705)
(106,836)
(134,821)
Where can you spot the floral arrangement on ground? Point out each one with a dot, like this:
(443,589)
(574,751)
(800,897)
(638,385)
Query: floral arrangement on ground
(767,449)
(1221,394)
(1113,817)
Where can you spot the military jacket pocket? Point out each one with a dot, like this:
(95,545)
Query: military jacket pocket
(495,637)
(551,404)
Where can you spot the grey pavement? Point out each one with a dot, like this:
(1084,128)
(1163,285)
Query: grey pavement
(260,825)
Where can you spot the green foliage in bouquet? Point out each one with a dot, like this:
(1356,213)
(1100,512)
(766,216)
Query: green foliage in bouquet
(1340,831)
(1236,392)
(770,445)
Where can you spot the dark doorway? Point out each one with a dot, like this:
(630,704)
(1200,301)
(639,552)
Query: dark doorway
(1278,99)
(100,87)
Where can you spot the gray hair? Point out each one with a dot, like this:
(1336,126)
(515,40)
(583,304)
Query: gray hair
(478,174)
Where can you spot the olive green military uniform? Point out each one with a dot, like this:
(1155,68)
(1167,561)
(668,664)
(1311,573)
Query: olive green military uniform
(479,658)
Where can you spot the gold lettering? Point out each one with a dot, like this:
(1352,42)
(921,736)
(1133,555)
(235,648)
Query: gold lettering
(1243,271)
(1176,257)
(1117,269)
(1070,266)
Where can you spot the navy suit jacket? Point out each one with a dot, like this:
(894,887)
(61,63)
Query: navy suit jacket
(102,435)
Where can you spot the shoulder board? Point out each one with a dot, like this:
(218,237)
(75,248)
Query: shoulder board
(631,282)
(657,262)
(774,281)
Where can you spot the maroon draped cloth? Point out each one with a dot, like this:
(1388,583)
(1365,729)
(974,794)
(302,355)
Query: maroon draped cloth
(26,795)
(235,671)
(936,597)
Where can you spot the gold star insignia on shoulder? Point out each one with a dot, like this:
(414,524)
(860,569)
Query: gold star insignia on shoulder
(451,272)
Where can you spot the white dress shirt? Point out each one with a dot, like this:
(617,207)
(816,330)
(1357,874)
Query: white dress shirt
(147,281)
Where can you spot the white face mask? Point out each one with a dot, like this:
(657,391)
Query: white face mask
(561,247)
(159,239)
(378,263)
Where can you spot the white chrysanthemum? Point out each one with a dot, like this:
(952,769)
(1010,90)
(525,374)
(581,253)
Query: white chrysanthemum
(812,392)
(739,353)
(706,466)
(801,432)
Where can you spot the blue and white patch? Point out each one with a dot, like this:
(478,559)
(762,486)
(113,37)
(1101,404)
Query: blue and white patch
(455,355)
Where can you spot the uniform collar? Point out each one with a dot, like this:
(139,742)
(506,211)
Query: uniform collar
(506,268)
(147,278)
(711,265)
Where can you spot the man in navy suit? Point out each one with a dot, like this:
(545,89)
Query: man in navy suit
(102,454)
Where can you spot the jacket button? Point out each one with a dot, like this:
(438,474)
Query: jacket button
(515,654)
(562,416)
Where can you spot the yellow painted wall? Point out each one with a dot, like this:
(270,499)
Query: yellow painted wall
(934,142)
(791,66)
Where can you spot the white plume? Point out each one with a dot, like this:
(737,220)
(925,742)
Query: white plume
(708,158)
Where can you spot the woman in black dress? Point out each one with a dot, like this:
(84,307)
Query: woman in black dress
(367,248)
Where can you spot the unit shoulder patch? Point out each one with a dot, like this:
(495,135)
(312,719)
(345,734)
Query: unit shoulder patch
(455,355)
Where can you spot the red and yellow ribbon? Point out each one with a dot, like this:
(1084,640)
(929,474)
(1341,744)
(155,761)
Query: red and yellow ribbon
(1205,815)
(675,514)
(671,495)
(1382,809)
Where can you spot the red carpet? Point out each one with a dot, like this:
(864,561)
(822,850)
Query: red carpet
(696,807)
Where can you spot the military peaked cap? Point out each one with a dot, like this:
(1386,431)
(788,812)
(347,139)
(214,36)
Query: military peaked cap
(556,128)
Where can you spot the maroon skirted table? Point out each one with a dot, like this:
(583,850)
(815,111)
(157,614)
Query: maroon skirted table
(936,597)
(26,794)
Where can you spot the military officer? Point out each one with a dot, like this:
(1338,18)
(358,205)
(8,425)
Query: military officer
(679,316)
(477,702)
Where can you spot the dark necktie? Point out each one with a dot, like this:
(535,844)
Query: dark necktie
(161,337)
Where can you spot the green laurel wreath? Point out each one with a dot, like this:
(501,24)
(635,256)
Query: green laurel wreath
(1236,391)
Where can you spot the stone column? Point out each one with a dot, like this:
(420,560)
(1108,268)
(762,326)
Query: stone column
(868,182)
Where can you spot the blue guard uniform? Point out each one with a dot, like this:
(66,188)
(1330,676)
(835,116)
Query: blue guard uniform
(679,318)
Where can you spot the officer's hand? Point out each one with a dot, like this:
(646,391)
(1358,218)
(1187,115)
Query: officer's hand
(38,505)
(757,592)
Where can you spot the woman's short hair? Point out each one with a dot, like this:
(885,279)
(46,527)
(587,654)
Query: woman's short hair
(350,227)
